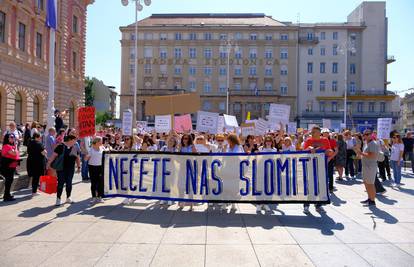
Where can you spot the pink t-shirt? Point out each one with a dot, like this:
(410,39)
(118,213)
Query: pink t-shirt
(5,153)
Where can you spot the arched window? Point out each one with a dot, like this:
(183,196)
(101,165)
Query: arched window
(72,116)
(36,109)
(18,108)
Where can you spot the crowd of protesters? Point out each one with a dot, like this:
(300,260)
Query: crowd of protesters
(59,152)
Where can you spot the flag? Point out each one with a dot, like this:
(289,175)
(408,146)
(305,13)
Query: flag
(51,14)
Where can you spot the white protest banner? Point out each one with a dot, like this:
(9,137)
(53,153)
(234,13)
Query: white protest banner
(326,123)
(220,125)
(142,126)
(384,127)
(127,122)
(230,121)
(296,177)
(291,128)
(207,122)
(247,129)
(162,123)
(274,123)
(279,112)
(261,126)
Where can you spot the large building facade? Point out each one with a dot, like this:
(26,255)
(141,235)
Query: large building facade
(308,66)
(24,57)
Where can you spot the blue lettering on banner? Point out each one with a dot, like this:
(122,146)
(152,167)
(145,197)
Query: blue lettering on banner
(294,184)
(269,177)
(254,178)
(154,181)
(191,174)
(142,172)
(243,178)
(282,168)
(165,173)
(305,174)
(131,174)
(123,171)
(315,176)
(204,178)
(216,191)
(113,173)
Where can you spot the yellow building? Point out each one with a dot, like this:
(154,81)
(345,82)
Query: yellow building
(188,53)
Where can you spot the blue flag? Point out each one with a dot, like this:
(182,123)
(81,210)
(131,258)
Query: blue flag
(51,14)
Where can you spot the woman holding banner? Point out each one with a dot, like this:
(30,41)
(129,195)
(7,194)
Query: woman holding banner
(95,168)
(186,145)
(268,145)
(234,147)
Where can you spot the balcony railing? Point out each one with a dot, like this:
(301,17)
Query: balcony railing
(308,39)
(372,92)
(340,114)
(159,92)
(254,93)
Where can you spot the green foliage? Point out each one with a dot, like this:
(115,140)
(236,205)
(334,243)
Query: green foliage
(102,117)
(89,92)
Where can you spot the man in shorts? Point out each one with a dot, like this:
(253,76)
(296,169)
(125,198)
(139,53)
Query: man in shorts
(369,158)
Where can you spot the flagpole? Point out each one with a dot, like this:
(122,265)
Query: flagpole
(51,95)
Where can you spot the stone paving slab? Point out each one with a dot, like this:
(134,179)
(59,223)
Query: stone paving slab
(35,233)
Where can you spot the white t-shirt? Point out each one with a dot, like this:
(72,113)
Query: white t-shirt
(263,149)
(350,143)
(95,156)
(396,150)
(288,148)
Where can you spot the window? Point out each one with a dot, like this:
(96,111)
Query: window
(268,37)
(148,36)
(360,107)
(39,45)
(321,106)
(75,24)
(192,86)
(322,36)
(283,53)
(177,70)
(334,86)
(178,36)
(268,71)
(147,69)
(18,108)
(192,71)
(207,87)
(223,71)
(334,107)
(252,71)
(335,35)
(22,36)
(284,36)
(41,4)
(310,67)
(2,27)
(36,109)
(323,51)
(237,86)
(238,54)
(268,53)
(177,52)
(223,36)
(131,69)
(193,36)
(309,106)
(147,52)
(253,36)
(310,36)
(207,36)
(163,69)
(222,88)
(268,86)
(253,53)
(352,68)
(223,54)
(132,36)
(322,67)
(371,107)
(206,105)
(352,87)
(283,89)
(237,71)
(163,36)
(208,53)
(74,61)
(382,107)
(322,86)
(335,50)
(310,51)
(222,106)
(193,52)
(335,67)
(208,71)
(238,36)
(309,86)
(132,53)
(163,53)
(283,70)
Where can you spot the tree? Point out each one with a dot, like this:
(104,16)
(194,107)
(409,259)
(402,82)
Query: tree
(89,92)
(102,117)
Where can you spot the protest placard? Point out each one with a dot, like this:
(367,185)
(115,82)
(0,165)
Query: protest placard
(142,126)
(230,121)
(183,123)
(384,127)
(279,113)
(247,129)
(291,128)
(220,125)
(327,123)
(127,122)
(86,121)
(261,126)
(163,123)
(207,122)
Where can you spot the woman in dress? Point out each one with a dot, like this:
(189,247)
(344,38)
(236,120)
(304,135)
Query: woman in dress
(36,161)
(340,161)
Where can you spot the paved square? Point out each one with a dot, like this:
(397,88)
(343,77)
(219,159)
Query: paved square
(35,233)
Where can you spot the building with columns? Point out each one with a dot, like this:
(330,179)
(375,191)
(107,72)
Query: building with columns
(24,57)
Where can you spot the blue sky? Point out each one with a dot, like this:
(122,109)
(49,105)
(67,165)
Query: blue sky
(103,49)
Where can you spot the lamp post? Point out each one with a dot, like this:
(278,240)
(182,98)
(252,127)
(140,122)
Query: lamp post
(344,48)
(228,44)
(138,7)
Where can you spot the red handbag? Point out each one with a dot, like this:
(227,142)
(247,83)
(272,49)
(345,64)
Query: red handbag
(48,184)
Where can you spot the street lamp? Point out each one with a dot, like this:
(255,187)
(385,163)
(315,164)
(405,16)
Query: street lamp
(344,48)
(138,7)
(228,44)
